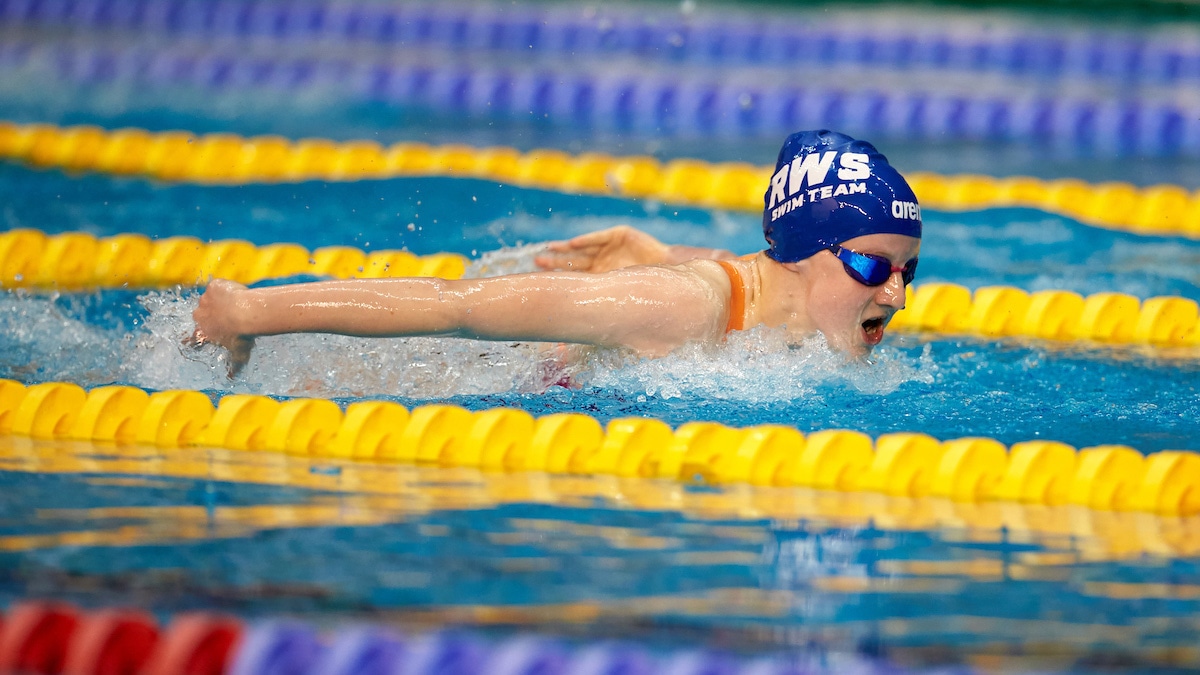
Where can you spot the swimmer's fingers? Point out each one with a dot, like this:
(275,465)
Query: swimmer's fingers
(564,261)
(562,246)
(591,240)
(217,323)
(239,355)
(584,253)
(239,349)
(196,340)
(578,253)
(604,250)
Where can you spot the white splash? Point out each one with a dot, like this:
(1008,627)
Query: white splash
(754,365)
(513,260)
(40,342)
(335,366)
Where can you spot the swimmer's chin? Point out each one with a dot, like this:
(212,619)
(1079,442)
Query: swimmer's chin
(849,347)
(864,340)
(846,346)
(855,351)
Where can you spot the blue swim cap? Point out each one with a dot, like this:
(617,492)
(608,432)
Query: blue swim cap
(828,188)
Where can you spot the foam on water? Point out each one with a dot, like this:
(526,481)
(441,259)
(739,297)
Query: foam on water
(333,365)
(510,260)
(754,365)
(40,341)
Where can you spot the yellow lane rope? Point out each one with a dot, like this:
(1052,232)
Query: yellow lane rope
(231,159)
(76,260)
(374,492)
(1004,311)
(1111,477)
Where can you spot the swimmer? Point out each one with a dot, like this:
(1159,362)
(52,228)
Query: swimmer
(843,231)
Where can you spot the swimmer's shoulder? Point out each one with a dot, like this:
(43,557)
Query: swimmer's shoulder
(715,273)
(709,273)
(709,269)
(697,271)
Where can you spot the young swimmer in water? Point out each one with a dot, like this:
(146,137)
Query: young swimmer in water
(843,230)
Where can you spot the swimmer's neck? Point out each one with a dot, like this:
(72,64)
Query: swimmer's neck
(776,295)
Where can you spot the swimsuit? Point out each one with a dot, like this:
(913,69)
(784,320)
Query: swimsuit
(737,297)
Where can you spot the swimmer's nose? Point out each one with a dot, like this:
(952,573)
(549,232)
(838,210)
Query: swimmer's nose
(891,293)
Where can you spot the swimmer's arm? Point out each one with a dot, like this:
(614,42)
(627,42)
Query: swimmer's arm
(651,309)
(677,254)
(617,247)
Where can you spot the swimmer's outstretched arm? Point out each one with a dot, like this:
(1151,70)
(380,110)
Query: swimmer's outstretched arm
(649,309)
(617,247)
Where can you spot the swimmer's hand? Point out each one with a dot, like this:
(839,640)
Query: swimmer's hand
(603,251)
(216,323)
(617,247)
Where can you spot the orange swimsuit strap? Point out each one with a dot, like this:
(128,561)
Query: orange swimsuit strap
(737,297)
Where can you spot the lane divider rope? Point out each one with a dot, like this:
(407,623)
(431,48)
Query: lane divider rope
(224,159)
(1005,311)
(1111,477)
(1097,534)
(649,100)
(78,260)
(1123,57)
(52,637)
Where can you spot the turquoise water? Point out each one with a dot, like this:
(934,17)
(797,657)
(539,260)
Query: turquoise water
(585,560)
(837,582)
(1013,390)
(384,83)
(1020,247)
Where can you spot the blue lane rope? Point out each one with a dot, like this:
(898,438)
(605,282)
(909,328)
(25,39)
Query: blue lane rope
(652,101)
(292,648)
(1119,56)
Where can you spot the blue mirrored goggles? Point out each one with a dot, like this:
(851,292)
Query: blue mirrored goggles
(873,270)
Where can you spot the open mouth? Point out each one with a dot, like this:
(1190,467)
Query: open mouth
(873,330)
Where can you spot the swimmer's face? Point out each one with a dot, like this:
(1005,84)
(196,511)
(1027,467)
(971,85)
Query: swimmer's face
(852,315)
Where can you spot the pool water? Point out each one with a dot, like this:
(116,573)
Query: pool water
(174,70)
(663,565)
(836,582)
(828,580)
(1013,390)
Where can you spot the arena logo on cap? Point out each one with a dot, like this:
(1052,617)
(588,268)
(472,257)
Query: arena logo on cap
(909,210)
(813,170)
